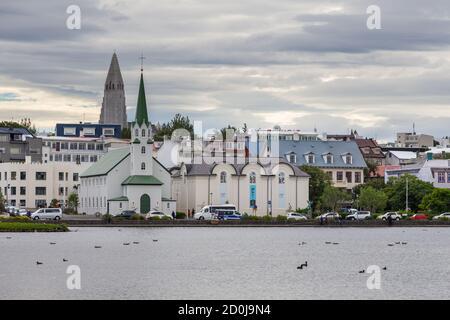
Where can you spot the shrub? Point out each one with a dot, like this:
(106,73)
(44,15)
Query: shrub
(267,218)
(137,216)
(250,217)
(281,218)
(166,218)
(154,218)
(15,219)
(180,215)
(107,218)
(31,227)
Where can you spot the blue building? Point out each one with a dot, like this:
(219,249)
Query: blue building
(89,130)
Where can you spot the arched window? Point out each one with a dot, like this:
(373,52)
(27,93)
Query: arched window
(143,132)
(149,132)
(223,177)
(143,150)
(252,177)
(281,178)
(136,132)
(143,166)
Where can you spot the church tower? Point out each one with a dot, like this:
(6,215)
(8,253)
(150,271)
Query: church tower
(114,110)
(141,137)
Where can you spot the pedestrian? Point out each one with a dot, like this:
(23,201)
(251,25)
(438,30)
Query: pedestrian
(189,213)
(255,208)
(389,219)
(193,213)
(321,220)
(174,216)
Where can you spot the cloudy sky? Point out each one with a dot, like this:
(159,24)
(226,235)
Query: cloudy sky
(297,63)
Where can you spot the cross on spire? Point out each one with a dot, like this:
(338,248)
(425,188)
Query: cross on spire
(142,61)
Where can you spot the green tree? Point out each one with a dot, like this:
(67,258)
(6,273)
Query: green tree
(2,203)
(396,192)
(126,133)
(437,201)
(372,199)
(332,197)
(178,122)
(317,182)
(377,183)
(371,169)
(73,201)
(24,123)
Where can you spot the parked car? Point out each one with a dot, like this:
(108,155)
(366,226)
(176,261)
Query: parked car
(155,213)
(419,216)
(445,215)
(22,212)
(296,216)
(329,216)
(359,215)
(348,210)
(126,214)
(222,214)
(209,212)
(11,210)
(47,213)
(393,215)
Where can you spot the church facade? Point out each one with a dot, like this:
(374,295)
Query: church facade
(114,110)
(128,178)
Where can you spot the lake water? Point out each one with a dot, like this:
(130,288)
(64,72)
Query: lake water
(227,263)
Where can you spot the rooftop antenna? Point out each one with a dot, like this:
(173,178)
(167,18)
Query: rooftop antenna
(414,128)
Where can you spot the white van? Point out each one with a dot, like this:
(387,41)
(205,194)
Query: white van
(47,213)
(209,212)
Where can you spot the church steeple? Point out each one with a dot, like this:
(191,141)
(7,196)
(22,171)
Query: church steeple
(141,108)
(113,107)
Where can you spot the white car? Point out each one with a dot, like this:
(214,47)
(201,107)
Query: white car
(47,213)
(445,215)
(22,212)
(155,213)
(296,216)
(329,215)
(360,215)
(393,215)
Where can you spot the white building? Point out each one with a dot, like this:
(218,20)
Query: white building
(399,158)
(128,178)
(437,172)
(34,184)
(276,188)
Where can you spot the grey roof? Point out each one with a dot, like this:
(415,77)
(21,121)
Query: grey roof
(7,130)
(205,169)
(320,148)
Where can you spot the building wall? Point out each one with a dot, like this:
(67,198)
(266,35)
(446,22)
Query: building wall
(134,194)
(17,150)
(52,182)
(344,183)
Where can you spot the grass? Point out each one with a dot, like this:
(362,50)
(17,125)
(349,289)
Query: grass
(31,227)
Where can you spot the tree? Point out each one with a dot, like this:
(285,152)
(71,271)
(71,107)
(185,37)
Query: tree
(371,169)
(24,123)
(2,202)
(317,182)
(396,192)
(437,201)
(372,199)
(178,122)
(126,133)
(73,201)
(332,197)
(376,182)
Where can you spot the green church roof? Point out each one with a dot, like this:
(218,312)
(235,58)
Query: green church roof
(141,109)
(106,163)
(141,180)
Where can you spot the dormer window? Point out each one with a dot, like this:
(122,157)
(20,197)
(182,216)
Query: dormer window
(310,158)
(348,159)
(328,158)
(291,157)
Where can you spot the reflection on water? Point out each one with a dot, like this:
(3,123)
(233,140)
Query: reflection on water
(227,263)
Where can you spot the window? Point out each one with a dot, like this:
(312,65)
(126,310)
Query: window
(143,132)
(357,177)
(252,177)
(143,166)
(41,175)
(448,177)
(23,191)
(99,147)
(348,175)
(40,203)
(61,191)
(292,158)
(75,177)
(223,177)
(329,159)
(82,146)
(70,131)
(93,158)
(441,177)
(13,191)
(14,150)
(281,178)
(88,131)
(91,146)
(73,146)
(108,131)
(330,175)
(143,150)
(67,158)
(23,203)
(61,176)
(348,159)
(310,158)
(23,175)
(40,191)
(64,145)
(13,175)
(339,176)
(136,132)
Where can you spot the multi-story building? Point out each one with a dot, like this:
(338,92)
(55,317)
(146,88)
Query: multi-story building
(35,184)
(17,143)
(414,140)
(88,130)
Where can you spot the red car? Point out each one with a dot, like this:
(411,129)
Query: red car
(419,217)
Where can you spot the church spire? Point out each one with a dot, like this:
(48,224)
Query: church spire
(141,109)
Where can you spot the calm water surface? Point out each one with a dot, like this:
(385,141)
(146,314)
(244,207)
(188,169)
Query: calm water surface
(227,263)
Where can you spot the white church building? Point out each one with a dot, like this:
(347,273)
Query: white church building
(128,178)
